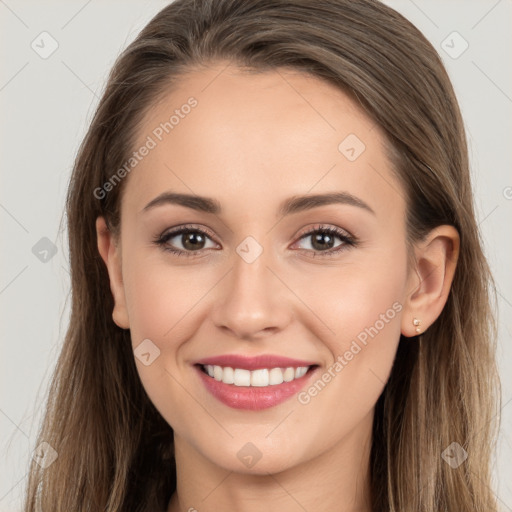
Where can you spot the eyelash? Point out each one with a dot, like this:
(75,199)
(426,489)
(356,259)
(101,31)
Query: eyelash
(348,240)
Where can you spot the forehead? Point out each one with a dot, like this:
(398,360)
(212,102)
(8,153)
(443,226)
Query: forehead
(267,134)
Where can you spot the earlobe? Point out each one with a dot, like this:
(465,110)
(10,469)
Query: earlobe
(431,279)
(110,253)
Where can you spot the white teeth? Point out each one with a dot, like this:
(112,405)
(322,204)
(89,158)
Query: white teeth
(217,373)
(228,375)
(275,376)
(242,377)
(289,374)
(257,378)
(300,372)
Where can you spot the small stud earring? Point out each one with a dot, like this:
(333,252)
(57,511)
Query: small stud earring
(416,322)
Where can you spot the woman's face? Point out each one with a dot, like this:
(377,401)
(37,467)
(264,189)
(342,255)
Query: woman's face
(256,280)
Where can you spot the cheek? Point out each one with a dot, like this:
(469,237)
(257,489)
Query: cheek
(162,302)
(161,297)
(362,305)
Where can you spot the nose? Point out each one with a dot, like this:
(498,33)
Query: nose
(252,301)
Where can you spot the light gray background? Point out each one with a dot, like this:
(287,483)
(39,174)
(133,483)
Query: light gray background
(46,105)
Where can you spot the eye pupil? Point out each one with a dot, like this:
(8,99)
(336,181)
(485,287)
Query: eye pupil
(318,244)
(193,240)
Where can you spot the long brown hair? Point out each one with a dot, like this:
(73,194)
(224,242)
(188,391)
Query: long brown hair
(115,451)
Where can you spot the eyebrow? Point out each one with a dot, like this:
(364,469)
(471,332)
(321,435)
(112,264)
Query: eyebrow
(292,205)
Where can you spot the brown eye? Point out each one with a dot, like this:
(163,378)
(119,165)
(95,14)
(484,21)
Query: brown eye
(324,240)
(192,240)
(184,241)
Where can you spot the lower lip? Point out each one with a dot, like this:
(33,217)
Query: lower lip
(253,398)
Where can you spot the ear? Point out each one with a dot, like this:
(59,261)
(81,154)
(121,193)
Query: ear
(430,279)
(110,250)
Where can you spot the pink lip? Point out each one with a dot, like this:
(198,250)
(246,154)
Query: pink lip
(249,397)
(254,363)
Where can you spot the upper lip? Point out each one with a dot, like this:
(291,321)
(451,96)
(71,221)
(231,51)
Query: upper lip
(254,363)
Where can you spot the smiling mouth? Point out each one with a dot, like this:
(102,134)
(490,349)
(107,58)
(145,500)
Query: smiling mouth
(262,377)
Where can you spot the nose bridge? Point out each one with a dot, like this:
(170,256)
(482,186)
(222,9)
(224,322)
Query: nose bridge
(252,298)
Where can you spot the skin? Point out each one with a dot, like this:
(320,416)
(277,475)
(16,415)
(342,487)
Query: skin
(253,141)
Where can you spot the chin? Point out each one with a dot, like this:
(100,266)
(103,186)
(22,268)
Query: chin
(257,457)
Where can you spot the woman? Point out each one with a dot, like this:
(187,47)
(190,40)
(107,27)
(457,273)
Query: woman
(280,299)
